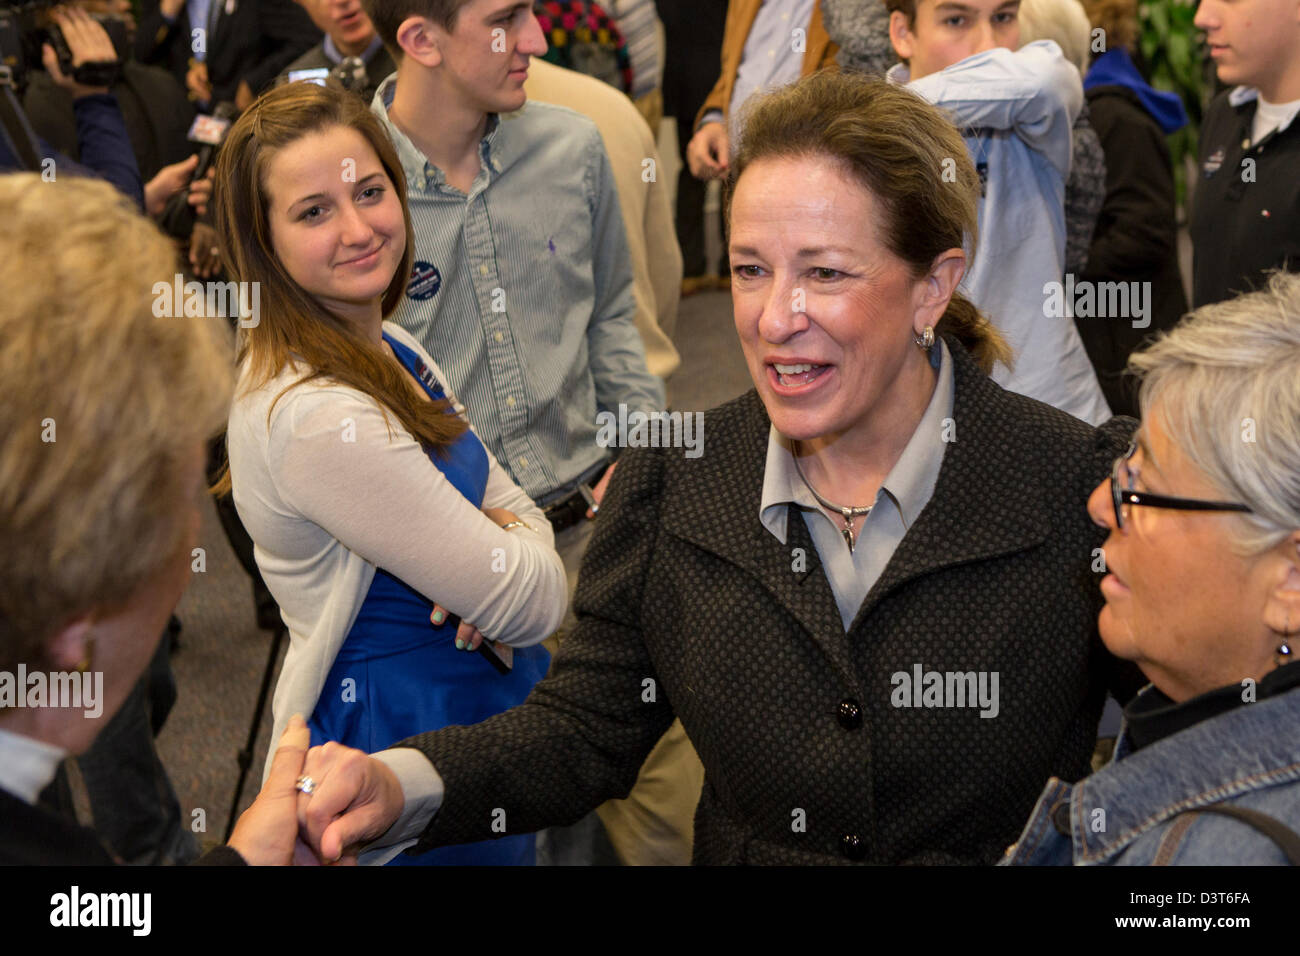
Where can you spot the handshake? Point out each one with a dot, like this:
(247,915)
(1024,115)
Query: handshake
(319,805)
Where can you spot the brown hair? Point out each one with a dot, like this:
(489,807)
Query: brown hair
(293,323)
(905,152)
(1117,19)
(387,16)
(105,399)
(906,7)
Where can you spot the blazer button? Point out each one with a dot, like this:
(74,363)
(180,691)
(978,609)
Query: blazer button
(850,714)
(852,846)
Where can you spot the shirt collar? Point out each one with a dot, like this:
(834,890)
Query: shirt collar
(909,484)
(333,54)
(899,73)
(421,174)
(27,765)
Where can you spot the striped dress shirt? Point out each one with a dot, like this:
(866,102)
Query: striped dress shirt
(522,292)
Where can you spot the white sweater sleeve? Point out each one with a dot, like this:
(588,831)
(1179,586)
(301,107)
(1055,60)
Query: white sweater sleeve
(337,461)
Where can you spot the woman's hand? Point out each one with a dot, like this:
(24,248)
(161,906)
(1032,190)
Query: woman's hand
(469,637)
(267,832)
(205,255)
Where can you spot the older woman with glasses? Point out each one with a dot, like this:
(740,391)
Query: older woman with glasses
(1203,593)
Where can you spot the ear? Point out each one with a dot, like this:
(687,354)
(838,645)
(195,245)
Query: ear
(900,35)
(72,644)
(420,40)
(935,290)
(1282,608)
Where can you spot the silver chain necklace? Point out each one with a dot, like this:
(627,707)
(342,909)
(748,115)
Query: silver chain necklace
(847,512)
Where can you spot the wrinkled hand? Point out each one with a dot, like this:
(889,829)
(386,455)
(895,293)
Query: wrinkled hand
(267,833)
(196,81)
(87,40)
(166,183)
(205,256)
(706,153)
(599,491)
(357,798)
(243,96)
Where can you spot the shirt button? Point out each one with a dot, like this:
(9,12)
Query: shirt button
(482,270)
(850,714)
(523,462)
(499,337)
(510,400)
(851,846)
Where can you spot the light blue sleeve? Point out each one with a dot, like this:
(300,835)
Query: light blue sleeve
(1034,92)
(614,347)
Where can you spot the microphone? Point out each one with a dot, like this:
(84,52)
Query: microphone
(209,132)
(351,73)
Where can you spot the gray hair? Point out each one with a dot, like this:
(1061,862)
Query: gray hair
(1228,381)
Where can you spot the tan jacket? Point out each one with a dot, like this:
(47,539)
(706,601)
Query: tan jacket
(819,51)
(642,197)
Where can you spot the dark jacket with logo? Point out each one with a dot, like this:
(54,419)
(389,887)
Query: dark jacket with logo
(1245,216)
(687,606)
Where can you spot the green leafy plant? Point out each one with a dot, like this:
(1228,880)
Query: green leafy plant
(1172,50)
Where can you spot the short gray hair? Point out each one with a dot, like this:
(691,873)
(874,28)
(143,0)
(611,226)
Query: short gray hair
(1064,21)
(1228,380)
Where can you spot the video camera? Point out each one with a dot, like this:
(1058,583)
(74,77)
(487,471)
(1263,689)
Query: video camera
(24,26)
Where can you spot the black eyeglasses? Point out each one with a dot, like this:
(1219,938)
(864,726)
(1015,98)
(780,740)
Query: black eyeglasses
(1123,495)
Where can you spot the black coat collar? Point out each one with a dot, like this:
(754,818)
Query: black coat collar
(982,506)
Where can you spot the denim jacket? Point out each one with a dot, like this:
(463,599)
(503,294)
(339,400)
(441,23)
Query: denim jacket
(1127,813)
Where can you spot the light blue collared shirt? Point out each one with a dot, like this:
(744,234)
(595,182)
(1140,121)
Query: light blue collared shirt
(899,502)
(523,292)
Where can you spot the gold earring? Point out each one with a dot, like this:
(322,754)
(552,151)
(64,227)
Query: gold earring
(85,663)
(926,339)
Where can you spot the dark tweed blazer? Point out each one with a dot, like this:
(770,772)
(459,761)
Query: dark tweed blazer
(688,606)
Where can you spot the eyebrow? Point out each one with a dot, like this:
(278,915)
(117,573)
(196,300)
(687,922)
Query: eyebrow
(808,252)
(1147,454)
(950,6)
(317,196)
(498,14)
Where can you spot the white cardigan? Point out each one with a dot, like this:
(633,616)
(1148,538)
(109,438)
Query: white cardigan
(329,491)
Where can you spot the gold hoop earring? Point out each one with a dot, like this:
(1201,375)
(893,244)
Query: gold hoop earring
(926,339)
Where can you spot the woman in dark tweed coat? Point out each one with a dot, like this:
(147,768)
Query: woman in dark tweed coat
(887,687)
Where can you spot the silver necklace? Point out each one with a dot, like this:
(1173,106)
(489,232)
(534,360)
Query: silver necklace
(847,512)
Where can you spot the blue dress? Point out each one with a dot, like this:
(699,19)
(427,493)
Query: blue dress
(397,674)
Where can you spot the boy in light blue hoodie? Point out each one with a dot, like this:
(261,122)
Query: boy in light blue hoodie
(1016,109)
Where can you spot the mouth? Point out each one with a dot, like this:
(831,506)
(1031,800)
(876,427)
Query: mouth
(350,19)
(1217,49)
(520,73)
(1113,587)
(797,377)
(369,259)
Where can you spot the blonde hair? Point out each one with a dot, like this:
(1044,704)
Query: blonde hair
(102,405)
(1064,21)
(1227,380)
(903,151)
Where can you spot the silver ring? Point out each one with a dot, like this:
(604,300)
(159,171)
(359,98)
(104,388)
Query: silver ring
(305,784)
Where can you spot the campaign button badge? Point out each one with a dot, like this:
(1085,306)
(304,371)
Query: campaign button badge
(425,281)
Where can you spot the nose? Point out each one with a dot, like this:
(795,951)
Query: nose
(1101,506)
(985,38)
(1204,15)
(354,230)
(533,40)
(783,314)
